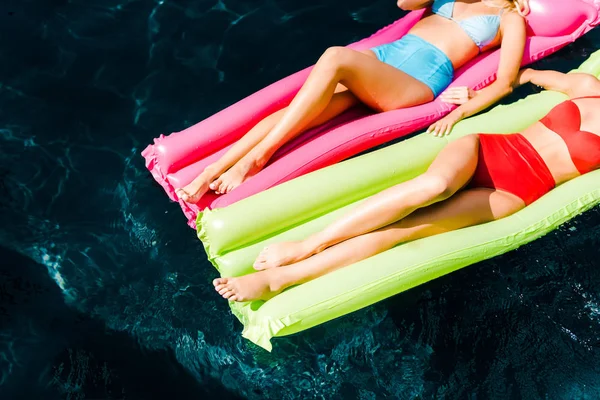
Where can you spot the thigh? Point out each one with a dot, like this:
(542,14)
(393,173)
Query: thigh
(339,88)
(465,208)
(451,170)
(377,84)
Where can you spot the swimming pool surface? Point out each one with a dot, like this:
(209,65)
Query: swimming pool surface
(105,292)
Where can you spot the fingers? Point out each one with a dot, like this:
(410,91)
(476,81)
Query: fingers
(440,128)
(456,95)
(433,128)
(436,128)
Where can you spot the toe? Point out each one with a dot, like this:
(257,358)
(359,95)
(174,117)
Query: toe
(262,256)
(182,194)
(228,295)
(223,290)
(215,184)
(223,188)
(219,281)
(259,265)
(234,298)
(218,288)
(269,262)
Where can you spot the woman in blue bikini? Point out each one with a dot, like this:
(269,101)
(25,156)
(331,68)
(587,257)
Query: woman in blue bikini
(410,71)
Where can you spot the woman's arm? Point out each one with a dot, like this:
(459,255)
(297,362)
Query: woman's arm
(514,35)
(576,84)
(410,5)
(511,56)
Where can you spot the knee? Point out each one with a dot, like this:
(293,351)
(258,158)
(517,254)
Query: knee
(334,58)
(438,186)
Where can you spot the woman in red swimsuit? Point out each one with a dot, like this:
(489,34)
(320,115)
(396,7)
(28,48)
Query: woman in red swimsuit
(475,179)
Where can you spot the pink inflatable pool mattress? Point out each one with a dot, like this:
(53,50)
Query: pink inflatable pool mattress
(175,160)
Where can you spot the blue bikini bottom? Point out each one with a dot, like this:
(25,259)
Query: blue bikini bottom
(419,59)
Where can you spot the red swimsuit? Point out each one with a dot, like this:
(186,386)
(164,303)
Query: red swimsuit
(510,163)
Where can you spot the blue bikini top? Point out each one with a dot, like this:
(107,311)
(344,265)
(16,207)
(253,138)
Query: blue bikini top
(482,29)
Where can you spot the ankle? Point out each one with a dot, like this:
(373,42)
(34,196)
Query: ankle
(277,279)
(260,155)
(315,244)
(212,171)
(252,162)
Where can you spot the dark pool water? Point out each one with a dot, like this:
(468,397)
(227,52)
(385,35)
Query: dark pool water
(105,292)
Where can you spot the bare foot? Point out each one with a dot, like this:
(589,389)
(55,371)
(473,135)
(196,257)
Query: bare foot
(279,254)
(258,285)
(234,177)
(193,192)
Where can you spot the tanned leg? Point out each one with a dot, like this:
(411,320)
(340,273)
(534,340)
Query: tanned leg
(341,101)
(376,84)
(466,208)
(449,172)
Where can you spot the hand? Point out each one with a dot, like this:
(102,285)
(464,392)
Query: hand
(458,95)
(444,126)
